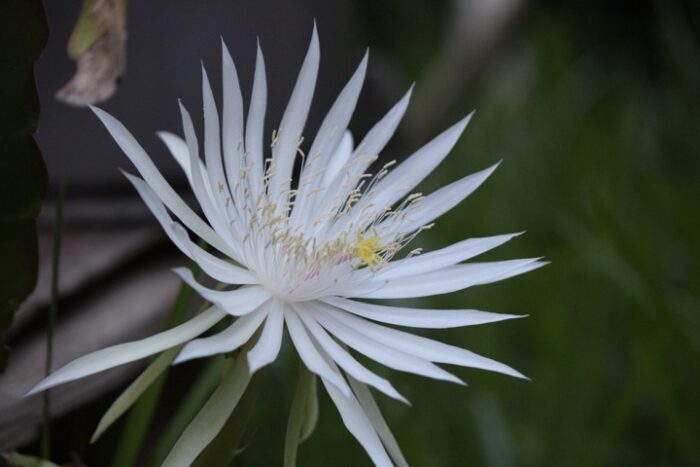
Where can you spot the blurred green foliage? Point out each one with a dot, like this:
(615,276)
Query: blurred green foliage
(595,113)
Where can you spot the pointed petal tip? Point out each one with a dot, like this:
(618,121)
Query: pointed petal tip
(457,129)
(486,173)
(36,389)
(184,273)
(314,37)
(259,56)
(181,357)
(183,109)
(406,98)
(104,117)
(465,120)
(128,175)
(449,377)
(400,397)
(506,317)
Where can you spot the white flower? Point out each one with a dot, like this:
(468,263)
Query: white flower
(303,255)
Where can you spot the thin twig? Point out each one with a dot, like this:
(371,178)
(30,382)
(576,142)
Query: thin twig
(53,311)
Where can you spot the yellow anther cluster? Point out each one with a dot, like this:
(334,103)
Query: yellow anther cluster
(366,250)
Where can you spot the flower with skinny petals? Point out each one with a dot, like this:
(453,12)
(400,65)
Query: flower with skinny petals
(298,257)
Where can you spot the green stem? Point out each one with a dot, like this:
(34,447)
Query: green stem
(53,311)
(296,416)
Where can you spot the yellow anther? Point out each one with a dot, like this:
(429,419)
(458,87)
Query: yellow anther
(366,250)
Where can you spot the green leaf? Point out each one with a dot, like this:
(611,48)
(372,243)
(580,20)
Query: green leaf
(225,446)
(300,414)
(145,391)
(135,390)
(211,419)
(310,412)
(196,397)
(15,459)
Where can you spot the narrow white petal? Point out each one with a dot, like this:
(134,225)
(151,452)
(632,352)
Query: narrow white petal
(214,211)
(213,266)
(370,146)
(346,361)
(212,144)
(417,166)
(180,152)
(158,209)
(380,134)
(325,142)
(310,355)
(421,347)
(232,123)
(378,351)
(412,171)
(418,317)
(439,202)
(285,149)
(227,201)
(255,126)
(268,346)
(124,353)
(155,180)
(369,405)
(438,259)
(338,117)
(227,340)
(340,157)
(357,423)
(449,279)
(236,302)
(200,177)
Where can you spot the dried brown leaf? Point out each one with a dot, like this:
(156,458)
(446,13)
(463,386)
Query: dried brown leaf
(101,65)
